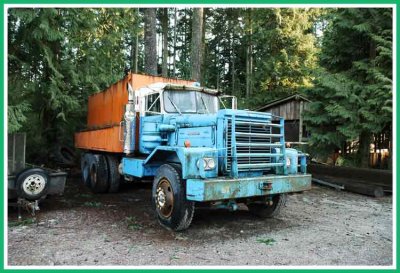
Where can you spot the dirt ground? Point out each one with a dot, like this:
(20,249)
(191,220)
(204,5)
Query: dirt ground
(318,227)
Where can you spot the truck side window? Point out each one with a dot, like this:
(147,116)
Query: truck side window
(153,105)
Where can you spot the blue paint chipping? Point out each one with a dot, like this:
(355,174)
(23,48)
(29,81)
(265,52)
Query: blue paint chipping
(247,150)
(230,188)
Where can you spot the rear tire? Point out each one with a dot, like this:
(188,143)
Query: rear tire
(114,177)
(98,173)
(173,210)
(263,210)
(85,169)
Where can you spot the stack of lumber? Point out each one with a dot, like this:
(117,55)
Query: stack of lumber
(369,182)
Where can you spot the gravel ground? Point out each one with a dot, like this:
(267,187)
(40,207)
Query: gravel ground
(318,227)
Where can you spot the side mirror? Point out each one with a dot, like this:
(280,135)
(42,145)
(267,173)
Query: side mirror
(228,99)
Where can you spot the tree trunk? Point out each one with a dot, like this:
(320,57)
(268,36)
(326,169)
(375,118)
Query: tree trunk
(363,149)
(150,41)
(164,66)
(217,67)
(203,48)
(197,33)
(232,58)
(249,55)
(136,55)
(175,36)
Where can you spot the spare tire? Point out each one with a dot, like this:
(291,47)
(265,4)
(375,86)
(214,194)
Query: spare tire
(98,173)
(32,184)
(65,155)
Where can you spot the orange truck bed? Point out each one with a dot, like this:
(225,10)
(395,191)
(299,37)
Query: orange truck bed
(106,111)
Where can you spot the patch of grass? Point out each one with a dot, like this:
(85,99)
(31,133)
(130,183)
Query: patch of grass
(105,238)
(131,248)
(174,257)
(133,223)
(24,222)
(93,204)
(266,241)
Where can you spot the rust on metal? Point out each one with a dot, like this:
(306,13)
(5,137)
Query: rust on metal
(106,110)
(106,139)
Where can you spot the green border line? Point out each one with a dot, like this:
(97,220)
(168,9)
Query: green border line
(221,2)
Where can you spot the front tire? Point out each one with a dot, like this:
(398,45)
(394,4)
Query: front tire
(263,210)
(173,210)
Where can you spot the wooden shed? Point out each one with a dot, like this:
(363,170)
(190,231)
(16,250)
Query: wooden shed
(291,109)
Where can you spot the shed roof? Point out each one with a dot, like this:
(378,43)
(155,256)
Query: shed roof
(282,100)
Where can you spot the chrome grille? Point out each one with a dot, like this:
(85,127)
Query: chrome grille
(254,141)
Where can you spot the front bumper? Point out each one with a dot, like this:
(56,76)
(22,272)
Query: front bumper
(230,188)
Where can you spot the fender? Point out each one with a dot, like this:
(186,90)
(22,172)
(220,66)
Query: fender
(187,157)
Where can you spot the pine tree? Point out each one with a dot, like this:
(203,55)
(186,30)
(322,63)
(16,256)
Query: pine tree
(57,57)
(352,94)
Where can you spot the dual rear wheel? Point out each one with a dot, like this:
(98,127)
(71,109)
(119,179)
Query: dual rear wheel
(100,172)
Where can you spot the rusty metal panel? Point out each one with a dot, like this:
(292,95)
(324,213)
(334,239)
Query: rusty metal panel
(230,188)
(106,108)
(139,80)
(106,139)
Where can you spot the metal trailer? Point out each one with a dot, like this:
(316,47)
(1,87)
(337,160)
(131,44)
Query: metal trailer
(26,182)
(175,132)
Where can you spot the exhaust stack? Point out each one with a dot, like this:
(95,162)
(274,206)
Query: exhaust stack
(129,119)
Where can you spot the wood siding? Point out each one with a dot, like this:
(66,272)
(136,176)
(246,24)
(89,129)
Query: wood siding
(291,111)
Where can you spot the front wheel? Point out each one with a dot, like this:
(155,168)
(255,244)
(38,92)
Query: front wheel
(268,208)
(173,210)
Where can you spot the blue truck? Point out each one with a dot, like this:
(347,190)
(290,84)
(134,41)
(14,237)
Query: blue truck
(196,150)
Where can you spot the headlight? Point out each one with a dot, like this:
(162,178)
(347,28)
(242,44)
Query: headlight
(208,163)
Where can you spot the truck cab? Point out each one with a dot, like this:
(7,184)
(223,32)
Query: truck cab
(197,151)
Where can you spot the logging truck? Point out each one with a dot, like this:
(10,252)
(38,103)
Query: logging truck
(193,148)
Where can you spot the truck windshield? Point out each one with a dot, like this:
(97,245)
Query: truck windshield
(190,102)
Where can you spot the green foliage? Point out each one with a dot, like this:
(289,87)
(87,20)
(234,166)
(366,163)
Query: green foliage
(340,58)
(284,52)
(266,241)
(17,116)
(57,57)
(353,91)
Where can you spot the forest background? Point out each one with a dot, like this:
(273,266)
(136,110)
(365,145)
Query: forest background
(339,58)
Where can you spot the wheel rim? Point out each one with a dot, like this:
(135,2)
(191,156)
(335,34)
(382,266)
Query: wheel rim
(165,198)
(34,184)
